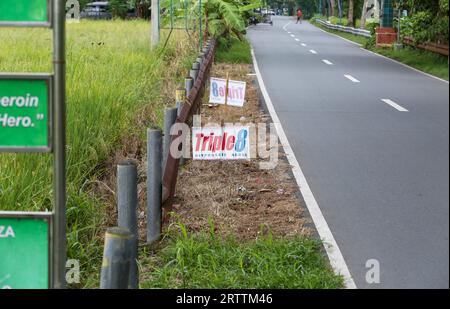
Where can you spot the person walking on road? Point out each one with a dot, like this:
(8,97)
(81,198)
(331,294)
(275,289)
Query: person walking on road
(299,15)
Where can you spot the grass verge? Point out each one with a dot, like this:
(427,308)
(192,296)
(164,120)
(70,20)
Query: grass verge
(203,260)
(116,86)
(425,61)
(234,51)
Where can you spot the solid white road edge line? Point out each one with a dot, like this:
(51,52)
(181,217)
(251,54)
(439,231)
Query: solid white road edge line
(394,105)
(352,78)
(405,65)
(327,62)
(334,253)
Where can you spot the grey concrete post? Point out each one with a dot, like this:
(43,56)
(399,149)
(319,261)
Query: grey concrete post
(194,71)
(116,259)
(170,116)
(188,84)
(154,185)
(127,202)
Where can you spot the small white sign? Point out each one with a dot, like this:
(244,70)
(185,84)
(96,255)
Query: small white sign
(221,143)
(236,92)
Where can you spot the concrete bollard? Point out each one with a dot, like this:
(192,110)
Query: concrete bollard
(199,60)
(127,202)
(116,263)
(188,84)
(194,71)
(180,97)
(154,185)
(170,117)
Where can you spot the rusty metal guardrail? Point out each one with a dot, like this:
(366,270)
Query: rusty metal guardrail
(192,106)
(441,49)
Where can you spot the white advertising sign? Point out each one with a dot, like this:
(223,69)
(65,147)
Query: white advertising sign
(221,143)
(236,92)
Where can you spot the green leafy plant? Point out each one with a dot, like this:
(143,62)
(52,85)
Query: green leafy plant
(119,8)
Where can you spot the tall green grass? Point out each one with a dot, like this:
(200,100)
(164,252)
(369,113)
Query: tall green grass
(234,51)
(112,75)
(204,260)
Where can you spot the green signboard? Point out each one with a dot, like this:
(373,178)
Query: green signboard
(25,13)
(25,113)
(24,250)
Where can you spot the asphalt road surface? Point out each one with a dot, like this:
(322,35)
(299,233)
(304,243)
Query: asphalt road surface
(372,138)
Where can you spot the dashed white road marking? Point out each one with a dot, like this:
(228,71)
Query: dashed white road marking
(303,44)
(312,51)
(327,62)
(394,105)
(387,58)
(284,27)
(352,78)
(292,35)
(298,40)
(335,256)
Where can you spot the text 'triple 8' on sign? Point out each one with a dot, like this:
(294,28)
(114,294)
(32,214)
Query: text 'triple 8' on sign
(25,113)
(25,13)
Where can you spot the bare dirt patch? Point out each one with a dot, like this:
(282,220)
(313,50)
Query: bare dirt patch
(241,199)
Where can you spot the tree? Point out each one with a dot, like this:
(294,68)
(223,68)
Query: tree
(363,14)
(119,8)
(332,7)
(351,18)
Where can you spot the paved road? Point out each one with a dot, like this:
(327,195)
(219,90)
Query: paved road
(380,174)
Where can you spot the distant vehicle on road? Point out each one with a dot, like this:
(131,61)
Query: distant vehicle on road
(97,10)
(261,16)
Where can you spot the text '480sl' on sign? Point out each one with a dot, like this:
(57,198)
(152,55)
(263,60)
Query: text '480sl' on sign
(221,143)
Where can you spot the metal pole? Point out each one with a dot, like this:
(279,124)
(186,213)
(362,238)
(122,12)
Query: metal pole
(200,24)
(59,145)
(170,116)
(116,259)
(155,23)
(154,185)
(127,202)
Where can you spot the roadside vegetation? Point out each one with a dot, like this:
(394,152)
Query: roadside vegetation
(116,87)
(234,51)
(236,239)
(204,260)
(425,61)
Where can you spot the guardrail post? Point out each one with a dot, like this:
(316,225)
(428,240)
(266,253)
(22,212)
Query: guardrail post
(188,84)
(180,97)
(116,263)
(194,71)
(170,116)
(154,185)
(127,201)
